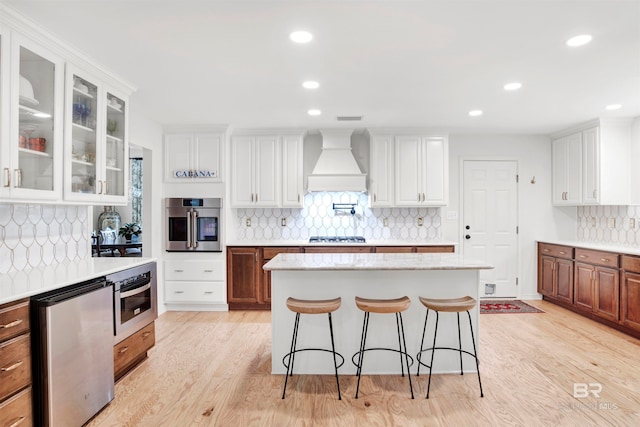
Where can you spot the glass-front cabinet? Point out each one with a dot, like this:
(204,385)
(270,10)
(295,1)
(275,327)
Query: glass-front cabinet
(32,151)
(96,143)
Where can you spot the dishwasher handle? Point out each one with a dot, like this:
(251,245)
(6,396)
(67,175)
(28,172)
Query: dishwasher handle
(60,295)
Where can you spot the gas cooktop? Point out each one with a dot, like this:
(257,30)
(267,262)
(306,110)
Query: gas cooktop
(337,239)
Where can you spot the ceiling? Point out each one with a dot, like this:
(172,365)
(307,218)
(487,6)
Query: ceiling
(397,63)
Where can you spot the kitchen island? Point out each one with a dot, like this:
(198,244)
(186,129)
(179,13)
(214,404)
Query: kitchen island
(369,275)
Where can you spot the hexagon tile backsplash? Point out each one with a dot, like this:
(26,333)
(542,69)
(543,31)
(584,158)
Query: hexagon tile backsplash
(615,225)
(39,235)
(319,218)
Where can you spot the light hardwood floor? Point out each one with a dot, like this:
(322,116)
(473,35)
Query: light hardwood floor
(213,369)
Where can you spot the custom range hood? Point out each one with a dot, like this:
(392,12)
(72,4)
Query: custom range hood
(337,169)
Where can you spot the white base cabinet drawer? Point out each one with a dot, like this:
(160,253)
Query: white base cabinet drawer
(194,270)
(195,292)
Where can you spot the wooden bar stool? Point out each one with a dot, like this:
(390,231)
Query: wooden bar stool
(451,305)
(383,306)
(300,306)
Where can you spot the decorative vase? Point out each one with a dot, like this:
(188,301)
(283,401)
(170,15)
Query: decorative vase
(109,218)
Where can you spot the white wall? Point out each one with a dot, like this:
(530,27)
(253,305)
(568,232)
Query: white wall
(538,220)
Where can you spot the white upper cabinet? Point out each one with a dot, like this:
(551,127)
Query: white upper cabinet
(292,173)
(592,164)
(96,142)
(255,171)
(31,148)
(193,157)
(381,192)
(421,175)
(567,170)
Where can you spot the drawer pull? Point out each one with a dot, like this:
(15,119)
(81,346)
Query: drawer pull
(545,250)
(562,253)
(208,271)
(123,350)
(11,324)
(146,334)
(583,256)
(17,422)
(604,260)
(12,367)
(208,292)
(179,292)
(179,271)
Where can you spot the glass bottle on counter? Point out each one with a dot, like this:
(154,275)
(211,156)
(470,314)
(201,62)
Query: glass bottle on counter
(109,218)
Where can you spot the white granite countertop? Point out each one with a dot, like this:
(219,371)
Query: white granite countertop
(23,284)
(595,246)
(369,242)
(406,261)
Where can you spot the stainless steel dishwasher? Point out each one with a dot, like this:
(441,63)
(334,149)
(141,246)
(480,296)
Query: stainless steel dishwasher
(73,353)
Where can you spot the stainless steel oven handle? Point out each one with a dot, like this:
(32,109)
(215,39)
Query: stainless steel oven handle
(135,291)
(194,237)
(189,229)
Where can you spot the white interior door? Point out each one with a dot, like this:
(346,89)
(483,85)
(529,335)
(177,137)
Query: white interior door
(490,221)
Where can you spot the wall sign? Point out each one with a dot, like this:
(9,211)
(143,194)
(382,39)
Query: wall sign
(195,174)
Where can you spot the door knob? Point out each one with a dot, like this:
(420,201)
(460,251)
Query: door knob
(467,227)
(467,237)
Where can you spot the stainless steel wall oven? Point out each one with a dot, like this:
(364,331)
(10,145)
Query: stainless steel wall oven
(135,302)
(193,224)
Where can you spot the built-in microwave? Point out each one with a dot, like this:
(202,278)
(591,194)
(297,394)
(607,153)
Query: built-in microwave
(193,224)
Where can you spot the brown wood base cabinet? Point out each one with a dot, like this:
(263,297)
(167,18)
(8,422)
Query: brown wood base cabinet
(133,350)
(606,285)
(249,286)
(16,406)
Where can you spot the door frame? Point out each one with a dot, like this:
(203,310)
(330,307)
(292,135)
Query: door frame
(461,208)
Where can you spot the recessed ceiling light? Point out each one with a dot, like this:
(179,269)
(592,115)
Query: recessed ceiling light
(613,107)
(310,84)
(512,86)
(314,112)
(579,40)
(301,36)
(474,113)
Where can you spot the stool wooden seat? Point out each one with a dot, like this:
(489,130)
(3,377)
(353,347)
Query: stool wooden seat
(450,305)
(300,306)
(383,306)
(313,306)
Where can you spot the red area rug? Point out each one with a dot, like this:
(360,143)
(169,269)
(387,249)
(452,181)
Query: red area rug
(503,306)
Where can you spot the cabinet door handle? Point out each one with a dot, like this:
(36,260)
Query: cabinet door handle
(11,324)
(594,194)
(424,197)
(374,197)
(12,367)
(256,197)
(17,422)
(17,177)
(106,187)
(298,197)
(418,196)
(7,181)
(123,350)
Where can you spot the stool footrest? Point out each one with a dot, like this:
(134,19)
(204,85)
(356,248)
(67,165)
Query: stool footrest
(385,349)
(419,355)
(288,355)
